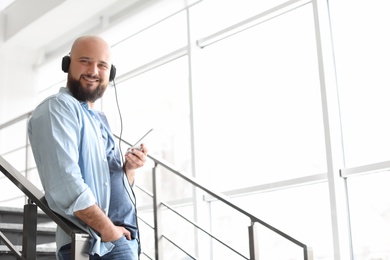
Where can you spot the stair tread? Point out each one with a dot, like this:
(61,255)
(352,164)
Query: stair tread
(18,227)
(50,248)
(17,210)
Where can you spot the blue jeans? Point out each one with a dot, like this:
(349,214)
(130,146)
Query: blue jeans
(124,250)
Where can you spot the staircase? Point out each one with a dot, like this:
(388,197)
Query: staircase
(11,225)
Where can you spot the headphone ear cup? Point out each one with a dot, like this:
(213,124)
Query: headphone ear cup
(112,73)
(65,64)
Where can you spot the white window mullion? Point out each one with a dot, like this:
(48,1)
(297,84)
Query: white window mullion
(333,133)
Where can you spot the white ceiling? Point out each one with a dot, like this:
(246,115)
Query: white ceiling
(49,26)
(5,3)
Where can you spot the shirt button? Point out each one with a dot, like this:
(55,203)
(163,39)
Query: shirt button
(106,183)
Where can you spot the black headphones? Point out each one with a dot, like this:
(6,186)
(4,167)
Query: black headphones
(66,63)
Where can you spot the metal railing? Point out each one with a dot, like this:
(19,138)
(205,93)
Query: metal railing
(37,199)
(79,237)
(254,254)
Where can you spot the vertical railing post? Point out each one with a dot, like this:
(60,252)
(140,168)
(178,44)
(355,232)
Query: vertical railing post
(30,220)
(308,253)
(156,214)
(80,246)
(26,154)
(253,242)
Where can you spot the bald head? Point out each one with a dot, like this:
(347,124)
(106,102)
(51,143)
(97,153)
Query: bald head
(93,44)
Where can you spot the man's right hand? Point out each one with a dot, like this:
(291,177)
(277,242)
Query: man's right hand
(116,233)
(94,217)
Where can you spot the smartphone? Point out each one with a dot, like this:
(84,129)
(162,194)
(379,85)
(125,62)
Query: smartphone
(137,145)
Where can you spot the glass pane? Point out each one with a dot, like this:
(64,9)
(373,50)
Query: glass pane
(50,78)
(301,212)
(157,99)
(228,12)
(369,200)
(274,246)
(147,239)
(13,137)
(230,227)
(362,56)
(17,159)
(178,230)
(258,106)
(150,44)
(11,196)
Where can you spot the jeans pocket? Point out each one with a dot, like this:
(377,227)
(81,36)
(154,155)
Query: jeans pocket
(118,240)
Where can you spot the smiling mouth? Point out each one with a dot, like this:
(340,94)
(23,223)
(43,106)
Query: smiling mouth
(91,79)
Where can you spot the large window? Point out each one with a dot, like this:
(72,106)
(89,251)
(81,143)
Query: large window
(292,212)
(258,104)
(370,215)
(232,90)
(362,57)
(157,99)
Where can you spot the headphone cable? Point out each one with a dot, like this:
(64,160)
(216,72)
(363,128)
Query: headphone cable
(120,119)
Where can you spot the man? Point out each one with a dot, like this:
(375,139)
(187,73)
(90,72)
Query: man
(78,162)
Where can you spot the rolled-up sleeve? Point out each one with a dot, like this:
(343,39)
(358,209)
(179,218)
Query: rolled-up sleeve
(54,132)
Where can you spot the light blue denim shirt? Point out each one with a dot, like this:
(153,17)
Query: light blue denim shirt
(67,142)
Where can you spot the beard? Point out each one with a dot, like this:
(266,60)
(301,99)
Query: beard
(85,94)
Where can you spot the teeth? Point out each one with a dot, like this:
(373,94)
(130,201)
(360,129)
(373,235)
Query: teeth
(90,79)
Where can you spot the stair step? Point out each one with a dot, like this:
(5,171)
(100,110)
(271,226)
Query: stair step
(19,227)
(15,215)
(14,232)
(44,252)
(11,225)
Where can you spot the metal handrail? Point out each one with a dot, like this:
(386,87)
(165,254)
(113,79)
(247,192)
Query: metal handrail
(222,198)
(38,198)
(78,236)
